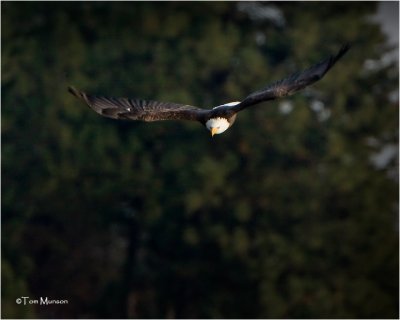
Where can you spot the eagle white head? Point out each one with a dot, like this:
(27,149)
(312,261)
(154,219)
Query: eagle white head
(217,125)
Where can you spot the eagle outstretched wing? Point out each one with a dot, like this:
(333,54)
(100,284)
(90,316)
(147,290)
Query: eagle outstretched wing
(137,109)
(293,83)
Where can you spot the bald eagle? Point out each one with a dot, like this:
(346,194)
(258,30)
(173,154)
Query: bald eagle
(217,119)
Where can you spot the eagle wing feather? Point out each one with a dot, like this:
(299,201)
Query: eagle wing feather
(293,83)
(138,109)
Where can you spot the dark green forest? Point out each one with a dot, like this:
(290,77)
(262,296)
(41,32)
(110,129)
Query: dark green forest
(291,213)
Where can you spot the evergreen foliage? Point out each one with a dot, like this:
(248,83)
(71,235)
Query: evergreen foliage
(285,215)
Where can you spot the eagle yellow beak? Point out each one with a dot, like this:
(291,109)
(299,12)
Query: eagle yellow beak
(213,131)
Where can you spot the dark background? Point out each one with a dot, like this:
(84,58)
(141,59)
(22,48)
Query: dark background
(290,213)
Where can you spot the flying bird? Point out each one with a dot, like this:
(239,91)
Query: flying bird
(217,119)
